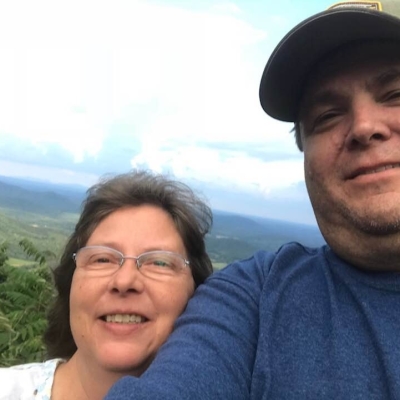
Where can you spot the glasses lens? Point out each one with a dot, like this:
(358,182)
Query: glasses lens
(98,258)
(158,263)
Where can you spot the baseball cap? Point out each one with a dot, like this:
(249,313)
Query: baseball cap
(293,58)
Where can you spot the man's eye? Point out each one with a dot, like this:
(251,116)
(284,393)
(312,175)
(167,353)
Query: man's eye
(326,116)
(325,119)
(392,95)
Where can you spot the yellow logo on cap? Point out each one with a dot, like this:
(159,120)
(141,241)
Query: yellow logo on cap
(370,5)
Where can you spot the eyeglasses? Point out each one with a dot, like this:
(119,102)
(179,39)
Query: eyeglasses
(105,260)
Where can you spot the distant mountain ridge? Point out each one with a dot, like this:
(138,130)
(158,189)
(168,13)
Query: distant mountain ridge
(43,202)
(237,236)
(232,237)
(73,192)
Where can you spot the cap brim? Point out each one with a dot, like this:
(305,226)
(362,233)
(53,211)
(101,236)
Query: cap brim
(290,63)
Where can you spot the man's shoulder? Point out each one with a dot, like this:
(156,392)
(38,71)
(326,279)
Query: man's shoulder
(294,253)
(291,253)
(259,265)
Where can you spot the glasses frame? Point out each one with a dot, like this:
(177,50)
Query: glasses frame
(186,263)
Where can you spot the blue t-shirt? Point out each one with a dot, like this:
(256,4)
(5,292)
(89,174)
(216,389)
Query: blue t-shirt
(297,324)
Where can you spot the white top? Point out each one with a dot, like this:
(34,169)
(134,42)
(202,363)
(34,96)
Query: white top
(28,381)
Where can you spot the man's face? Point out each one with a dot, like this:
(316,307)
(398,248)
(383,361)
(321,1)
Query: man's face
(350,129)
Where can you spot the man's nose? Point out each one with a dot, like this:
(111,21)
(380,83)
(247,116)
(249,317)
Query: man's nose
(368,124)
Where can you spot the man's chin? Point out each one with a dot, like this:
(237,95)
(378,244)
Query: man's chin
(375,219)
(372,216)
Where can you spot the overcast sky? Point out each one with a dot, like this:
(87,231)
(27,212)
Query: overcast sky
(93,87)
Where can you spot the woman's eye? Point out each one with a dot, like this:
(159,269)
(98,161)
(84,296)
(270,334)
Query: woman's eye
(102,260)
(161,263)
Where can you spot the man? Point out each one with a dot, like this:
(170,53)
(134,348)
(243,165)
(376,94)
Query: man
(311,323)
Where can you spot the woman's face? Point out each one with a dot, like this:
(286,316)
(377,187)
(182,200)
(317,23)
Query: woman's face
(119,319)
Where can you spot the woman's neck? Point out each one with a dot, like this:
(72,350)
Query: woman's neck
(81,380)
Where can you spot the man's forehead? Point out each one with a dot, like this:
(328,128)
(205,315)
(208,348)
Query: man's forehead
(352,58)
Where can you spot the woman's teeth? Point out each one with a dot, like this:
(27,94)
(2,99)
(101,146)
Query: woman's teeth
(125,318)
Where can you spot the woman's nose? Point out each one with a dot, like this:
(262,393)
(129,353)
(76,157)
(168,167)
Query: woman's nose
(127,278)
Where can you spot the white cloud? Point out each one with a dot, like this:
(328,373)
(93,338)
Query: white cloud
(231,169)
(71,69)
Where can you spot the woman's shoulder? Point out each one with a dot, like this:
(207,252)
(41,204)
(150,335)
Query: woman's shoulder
(28,381)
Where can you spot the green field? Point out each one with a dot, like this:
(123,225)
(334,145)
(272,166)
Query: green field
(218,265)
(19,262)
(45,232)
(47,218)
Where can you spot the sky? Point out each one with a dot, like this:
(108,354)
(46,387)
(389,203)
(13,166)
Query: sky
(95,87)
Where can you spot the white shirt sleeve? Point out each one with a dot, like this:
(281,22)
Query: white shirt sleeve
(28,381)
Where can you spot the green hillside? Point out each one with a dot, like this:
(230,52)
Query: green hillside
(46,215)
(46,232)
(35,222)
(49,202)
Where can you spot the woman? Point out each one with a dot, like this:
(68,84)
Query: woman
(127,272)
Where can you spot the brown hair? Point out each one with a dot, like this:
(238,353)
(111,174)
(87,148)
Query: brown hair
(191,215)
(297,135)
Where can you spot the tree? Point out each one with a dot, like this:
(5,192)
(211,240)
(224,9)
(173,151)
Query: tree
(24,298)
